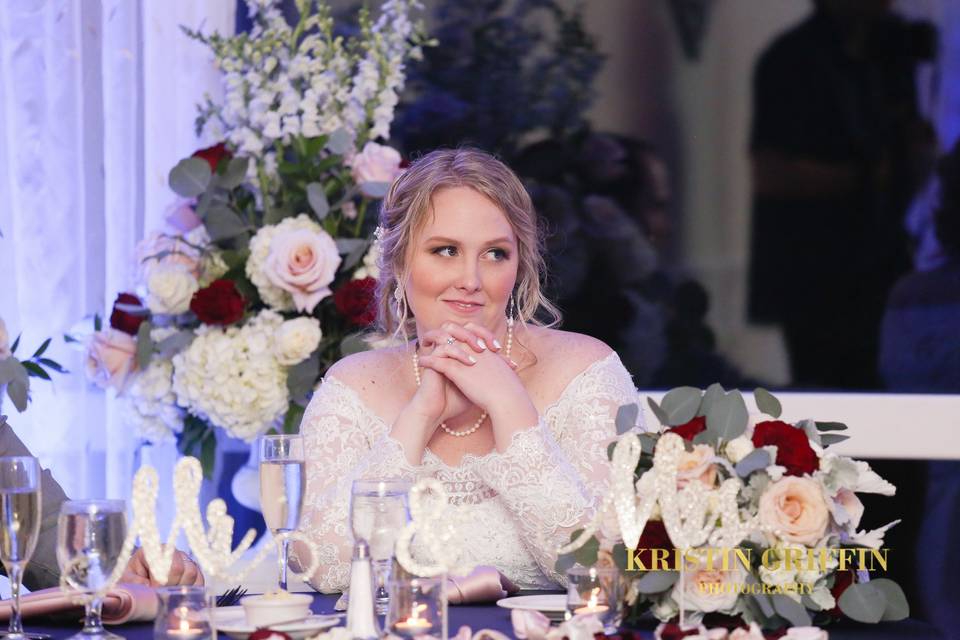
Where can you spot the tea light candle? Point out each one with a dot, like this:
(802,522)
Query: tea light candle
(414,624)
(592,605)
(185,631)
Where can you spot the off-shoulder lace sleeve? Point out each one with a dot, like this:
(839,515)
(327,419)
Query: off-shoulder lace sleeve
(343,440)
(553,476)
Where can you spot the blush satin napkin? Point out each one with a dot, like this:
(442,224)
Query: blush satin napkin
(483,584)
(123,603)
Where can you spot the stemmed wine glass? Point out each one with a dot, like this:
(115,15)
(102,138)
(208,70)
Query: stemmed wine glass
(90,535)
(378,511)
(19,527)
(282,483)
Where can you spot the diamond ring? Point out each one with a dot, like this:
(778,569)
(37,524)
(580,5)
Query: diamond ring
(451,340)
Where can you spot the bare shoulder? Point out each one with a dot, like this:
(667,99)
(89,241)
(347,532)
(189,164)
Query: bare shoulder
(565,353)
(370,373)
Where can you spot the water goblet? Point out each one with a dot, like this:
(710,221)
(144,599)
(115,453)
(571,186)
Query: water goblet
(20,517)
(378,510)
(90,537)
(282,483)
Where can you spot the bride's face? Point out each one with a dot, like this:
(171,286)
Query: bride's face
(463,263)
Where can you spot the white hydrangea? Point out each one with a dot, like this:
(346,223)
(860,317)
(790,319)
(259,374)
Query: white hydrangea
(151,404)
(270,293)
(231,377)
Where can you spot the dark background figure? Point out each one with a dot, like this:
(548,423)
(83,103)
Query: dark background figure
(838,149)
(920,352)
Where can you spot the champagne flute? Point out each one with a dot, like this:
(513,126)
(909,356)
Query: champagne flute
(282,483)
(90,536)
(378,510)
(19,527)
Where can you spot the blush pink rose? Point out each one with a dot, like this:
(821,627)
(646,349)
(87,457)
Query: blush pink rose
(181,215)
(794,509)
(110,358)
(376,163)
(158,248)
(303,262)
(696,465)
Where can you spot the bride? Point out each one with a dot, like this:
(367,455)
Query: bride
(512,416)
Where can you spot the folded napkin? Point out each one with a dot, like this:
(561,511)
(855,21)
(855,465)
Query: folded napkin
(533,625)
(123,603)
(483,584)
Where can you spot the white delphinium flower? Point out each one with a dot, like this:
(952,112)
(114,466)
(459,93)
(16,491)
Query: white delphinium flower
(231,377)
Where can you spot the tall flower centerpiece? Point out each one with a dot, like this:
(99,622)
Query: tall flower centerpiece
(726,518)
(264,274)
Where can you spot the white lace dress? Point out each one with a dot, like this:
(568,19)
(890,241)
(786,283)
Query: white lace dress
(520,504)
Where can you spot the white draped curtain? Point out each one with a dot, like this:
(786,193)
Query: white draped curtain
(97,103)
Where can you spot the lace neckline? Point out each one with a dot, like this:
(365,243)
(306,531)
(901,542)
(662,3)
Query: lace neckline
(472,458)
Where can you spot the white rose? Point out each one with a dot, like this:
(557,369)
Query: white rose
(738,449)
(806,633)
(822,596)
(753,633)
(709,589)
(376,163)
(170,288)
(296,339)
(4,341)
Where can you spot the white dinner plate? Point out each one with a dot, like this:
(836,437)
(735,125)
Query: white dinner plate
(553,605)
(237,628)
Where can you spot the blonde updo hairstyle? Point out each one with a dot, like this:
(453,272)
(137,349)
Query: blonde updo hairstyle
(404,212)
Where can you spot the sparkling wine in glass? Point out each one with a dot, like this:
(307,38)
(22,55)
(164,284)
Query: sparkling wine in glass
(90,535)
(282,483)
(19,527)
(378,510)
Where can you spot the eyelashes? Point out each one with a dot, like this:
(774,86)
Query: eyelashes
(450,251)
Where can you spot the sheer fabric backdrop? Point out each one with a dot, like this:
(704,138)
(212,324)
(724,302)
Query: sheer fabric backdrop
(97,103)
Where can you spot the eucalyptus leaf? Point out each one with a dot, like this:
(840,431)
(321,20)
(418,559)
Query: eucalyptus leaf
(710,396)
(587,554)
(753,461)
(222,222)
(810,603)
(375,190)
(657,581)
(619,553)
(19,393)
(767,403)
(144,345)
(864,602)
(317,198)
(173,344)
(647,443)
(680,405)
(203,204)
(302,377)
(564,563)
(627,417)
(831,426)
(190,177)
(235,173)
(11,370)
(728,416)
(657,411)
(793,611)
(354,257)
(706,437)
(828,439)
(610,447)
(897,606)
(353,343)
(762,599)
(340,142)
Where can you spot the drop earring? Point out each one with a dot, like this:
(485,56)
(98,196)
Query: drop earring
(401,304)
(511,305)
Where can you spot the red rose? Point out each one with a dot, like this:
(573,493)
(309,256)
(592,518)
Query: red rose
(654,536)
(355,301)
(220,303)
(128,313)
(672,631)
(265,633)
(843,580)
(689,430)
(793,447)
(213,155)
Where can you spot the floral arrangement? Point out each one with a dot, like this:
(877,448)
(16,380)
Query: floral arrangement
(265,273)
(15,374)
(734,520)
